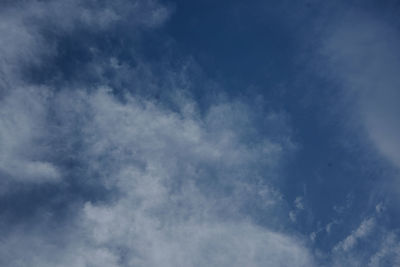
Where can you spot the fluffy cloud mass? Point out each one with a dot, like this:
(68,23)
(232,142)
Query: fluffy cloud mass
(179,183)
(141,181)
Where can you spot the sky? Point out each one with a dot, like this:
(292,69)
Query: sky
(183,133)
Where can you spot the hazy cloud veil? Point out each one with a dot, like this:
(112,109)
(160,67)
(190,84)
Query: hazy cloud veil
(366,62)
(112,175)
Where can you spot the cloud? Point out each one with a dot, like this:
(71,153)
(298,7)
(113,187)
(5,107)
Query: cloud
(299,203)
(363,55)
(389,252)
(183,182)
(362,231)
(27,44)
(36,32)
(178,185)
(299,207)
(23,130)
(384,251)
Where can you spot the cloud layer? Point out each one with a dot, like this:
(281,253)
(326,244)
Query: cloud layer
(117,150)
(362,52)
(179,182)
(174,185)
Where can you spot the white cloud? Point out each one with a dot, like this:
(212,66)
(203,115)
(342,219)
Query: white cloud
(384,252)
(389,252)
(25,134)
(159,161)
(293,216)
(27,25)
(181,184)
(180,181)
(380,207)
(23,142)
(299,203)
(361,232)
(299,207)
(363,54)
(329,226)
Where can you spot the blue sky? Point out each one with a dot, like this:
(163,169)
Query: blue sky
(199,133)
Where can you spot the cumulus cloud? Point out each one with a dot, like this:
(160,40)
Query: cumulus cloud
(178,184)
(178,174)
(23,143)
(26,44)
(33,31)
(181,184)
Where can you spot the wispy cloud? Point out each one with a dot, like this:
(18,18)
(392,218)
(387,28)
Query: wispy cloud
(177,181)
(362,231)
(181,184)
(363,55)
